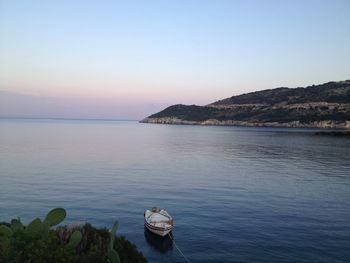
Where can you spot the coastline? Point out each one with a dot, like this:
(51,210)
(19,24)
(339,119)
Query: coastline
(327,124)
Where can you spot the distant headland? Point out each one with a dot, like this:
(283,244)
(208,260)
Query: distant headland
(317,106)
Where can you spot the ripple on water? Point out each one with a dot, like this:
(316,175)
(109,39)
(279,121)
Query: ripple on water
(237,194)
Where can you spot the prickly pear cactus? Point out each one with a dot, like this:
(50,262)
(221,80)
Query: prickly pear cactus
(55,216)
(16,225)
(75,239)
(36,228)
(5,231)
(113,256)
(113,233)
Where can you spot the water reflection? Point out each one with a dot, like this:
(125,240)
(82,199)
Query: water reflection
(289,192)
(161,244)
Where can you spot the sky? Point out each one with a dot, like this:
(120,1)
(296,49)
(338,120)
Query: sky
(129,59)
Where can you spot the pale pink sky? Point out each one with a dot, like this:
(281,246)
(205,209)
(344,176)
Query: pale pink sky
(121,60)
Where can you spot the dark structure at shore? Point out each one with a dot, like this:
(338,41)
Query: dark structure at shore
(335,133)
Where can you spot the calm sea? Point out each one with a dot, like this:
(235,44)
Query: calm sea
(237,194)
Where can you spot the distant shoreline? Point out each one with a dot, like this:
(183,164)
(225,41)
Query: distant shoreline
(314,125)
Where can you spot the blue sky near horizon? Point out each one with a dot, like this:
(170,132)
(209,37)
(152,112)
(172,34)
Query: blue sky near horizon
(128,59)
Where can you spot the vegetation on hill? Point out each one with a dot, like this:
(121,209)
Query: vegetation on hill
(329,102)
(332,92)
(39,241)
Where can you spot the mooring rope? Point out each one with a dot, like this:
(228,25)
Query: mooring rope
(179,249)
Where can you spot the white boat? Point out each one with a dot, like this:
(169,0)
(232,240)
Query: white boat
(158,221)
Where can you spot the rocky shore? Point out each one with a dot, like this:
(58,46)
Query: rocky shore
(294,124)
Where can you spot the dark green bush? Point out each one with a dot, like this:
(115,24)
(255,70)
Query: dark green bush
(78,244)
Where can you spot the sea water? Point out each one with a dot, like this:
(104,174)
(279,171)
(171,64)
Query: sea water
(236,194)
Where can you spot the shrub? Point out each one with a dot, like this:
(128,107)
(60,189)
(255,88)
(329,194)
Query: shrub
(40,242)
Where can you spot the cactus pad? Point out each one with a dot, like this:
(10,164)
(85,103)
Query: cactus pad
(35,228)
(75,239)
(113,256)
(5,231)
(55,216)
(16,225)
(113,233)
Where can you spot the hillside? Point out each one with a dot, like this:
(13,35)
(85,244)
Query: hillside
(318,106)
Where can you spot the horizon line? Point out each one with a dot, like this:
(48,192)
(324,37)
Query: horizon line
(61,118)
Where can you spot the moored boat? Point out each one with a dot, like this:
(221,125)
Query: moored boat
(158,221)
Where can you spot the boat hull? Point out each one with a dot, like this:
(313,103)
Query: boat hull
(158,230)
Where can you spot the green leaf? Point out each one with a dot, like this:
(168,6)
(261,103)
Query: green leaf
(75,239)
(5,231)
(113,256)
(55,216)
